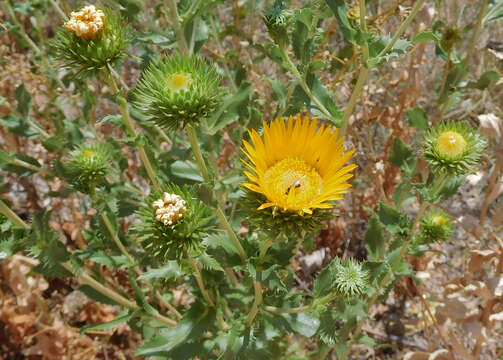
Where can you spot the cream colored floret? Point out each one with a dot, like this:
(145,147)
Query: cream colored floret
(169,209)
(87,22)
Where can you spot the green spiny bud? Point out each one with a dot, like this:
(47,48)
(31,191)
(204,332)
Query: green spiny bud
(277,19)
(88,165)
(436,226)
(350,279)
(173,223)
(453,148)
(450,38)
(178,91)
(92,40)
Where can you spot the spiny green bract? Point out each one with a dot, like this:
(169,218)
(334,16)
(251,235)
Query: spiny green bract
(89,57)
(277,19)
(350,279)
(178,90)
(166,242)
(435,226)
(273,220)
(454,163)
(88,165)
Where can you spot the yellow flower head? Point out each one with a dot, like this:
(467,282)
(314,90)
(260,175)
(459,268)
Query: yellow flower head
(87,22)
(297,166)
(451,144)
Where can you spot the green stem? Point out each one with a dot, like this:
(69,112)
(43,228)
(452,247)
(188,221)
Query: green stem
(232,234)
(128,122)
(175,18)
(417,6)
(221,50)
(386,279)
(137,269)
(83,278)
(22,32)
(196,149)
(256,302)
(58,10)
(200,282)
(32,167)
(469,53)
(12,216)
(362,76)
(291,66)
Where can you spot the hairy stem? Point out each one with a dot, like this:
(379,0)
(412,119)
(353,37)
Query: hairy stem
(175,18)
(12,216)
(200,282)
(291,66)
(256,302)
(362,76)
(84,278)
(128,122)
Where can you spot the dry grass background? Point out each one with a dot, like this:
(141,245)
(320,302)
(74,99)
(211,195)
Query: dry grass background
(460,301)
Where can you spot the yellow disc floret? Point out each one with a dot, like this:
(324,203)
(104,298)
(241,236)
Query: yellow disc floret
(451,144)
(297,166)
(169,209)
(292,184)
(87,22)
(439,220)
(179,82)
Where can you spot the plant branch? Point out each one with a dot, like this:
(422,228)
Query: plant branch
(12,216)
(175,18)
(291,66)
(200,282)
(128,122)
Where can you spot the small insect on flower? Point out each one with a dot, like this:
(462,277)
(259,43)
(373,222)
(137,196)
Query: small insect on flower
(297,166)
(87,22)
(453,148)
(169,209)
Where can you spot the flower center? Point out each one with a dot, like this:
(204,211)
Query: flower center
(292,184)
(451,144)
(87,22)
(179,82)
(169,209)
(438,220)
(88,154)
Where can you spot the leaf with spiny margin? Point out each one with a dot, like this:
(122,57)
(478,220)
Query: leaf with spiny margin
(209,263)
(123,317)
(402,156)
(171,270)
(375,241)
(394,221)
(340,10)
(417,118)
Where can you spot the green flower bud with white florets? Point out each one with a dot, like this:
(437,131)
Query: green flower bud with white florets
(173,223)
(92,40)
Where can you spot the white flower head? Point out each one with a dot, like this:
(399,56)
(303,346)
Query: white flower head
(87,22)
(169,209)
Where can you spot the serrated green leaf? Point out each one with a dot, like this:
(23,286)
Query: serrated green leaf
(402,156)
(23,99)
(171,270)
(186,170)
(304,324)
(425,36)
(417,118)
(340,10)
(123,317)
(394,221)
(375,241)
(486,79)
(209,262)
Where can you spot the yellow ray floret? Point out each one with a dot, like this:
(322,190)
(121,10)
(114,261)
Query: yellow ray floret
(297,165)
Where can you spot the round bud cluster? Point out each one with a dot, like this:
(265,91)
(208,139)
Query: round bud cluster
(169,209)
(87,22)
(351,279)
